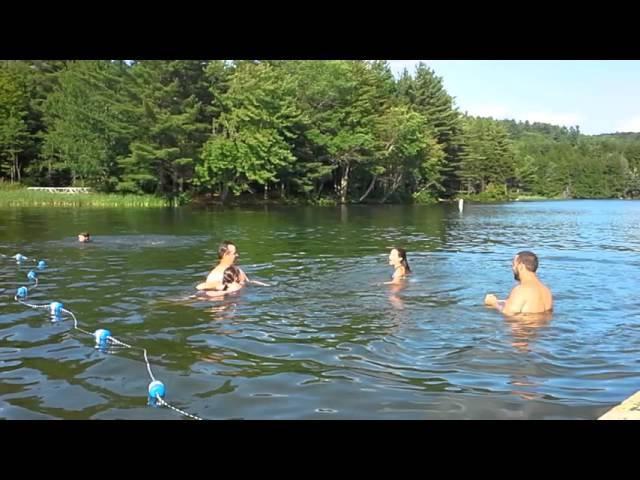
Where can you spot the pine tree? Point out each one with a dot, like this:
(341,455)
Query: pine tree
(173,101)
(14,135)
(89,123)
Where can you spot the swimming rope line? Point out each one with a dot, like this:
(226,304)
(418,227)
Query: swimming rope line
(102,337)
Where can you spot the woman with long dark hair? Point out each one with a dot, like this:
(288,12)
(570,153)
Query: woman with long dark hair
(398,260)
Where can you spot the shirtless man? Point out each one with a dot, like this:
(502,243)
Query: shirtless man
(230,282)
(227,254)
(530,296)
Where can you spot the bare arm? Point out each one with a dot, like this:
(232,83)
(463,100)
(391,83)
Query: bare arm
(215,293)
(245,279)
(511,305)
(515,302)
(218,293)
(231,288)
(208,286)
(243,276)
(213,280)
(490,300)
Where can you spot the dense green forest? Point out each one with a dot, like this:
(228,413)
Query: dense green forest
(292,131)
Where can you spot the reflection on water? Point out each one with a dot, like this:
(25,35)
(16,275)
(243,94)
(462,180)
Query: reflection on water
(395,298)
(525,327)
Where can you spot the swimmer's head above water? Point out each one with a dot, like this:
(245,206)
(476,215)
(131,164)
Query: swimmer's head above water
(398,257)
(530,296)
(84,237)
(524,261)
(230,283)
(227,253)
(230,278)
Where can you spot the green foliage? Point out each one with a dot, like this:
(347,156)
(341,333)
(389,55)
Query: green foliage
(318,132)
(21,197)
(424,197)
(251,142)
(14,134)
(174,105)
(492,193)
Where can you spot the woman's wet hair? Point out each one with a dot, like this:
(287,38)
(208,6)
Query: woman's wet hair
(402,253)
(231,274)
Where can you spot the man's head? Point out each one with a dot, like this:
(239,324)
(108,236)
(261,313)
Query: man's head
(227,252)
(84,237)
(524,261)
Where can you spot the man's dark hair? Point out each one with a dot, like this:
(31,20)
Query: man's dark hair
(529,260)
(224,248)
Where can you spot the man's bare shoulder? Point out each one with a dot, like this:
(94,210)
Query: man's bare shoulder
(532,291)
(525,293)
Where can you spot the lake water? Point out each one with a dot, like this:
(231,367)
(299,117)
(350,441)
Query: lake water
(326,340)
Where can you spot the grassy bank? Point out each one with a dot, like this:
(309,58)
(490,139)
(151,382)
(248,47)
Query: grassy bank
(21,197)
(535,198)
(493,196)
(14,196)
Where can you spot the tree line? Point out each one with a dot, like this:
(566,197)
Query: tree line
(314,131)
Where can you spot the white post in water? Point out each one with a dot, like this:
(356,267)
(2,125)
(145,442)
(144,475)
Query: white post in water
(460,204)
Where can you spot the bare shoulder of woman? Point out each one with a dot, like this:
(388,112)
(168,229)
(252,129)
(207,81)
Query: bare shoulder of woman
(399,273)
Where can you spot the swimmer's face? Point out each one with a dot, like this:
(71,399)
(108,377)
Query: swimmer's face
(514,267)
(83,238)
(231,254)
(394,257)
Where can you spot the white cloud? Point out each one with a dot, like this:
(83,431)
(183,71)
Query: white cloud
(630,125)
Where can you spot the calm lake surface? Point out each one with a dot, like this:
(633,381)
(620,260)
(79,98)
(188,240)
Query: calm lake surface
(326,340)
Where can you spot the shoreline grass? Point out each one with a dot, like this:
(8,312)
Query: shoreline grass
(21,197)
(12,196)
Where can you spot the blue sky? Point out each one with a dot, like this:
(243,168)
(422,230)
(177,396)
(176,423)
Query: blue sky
(601,96)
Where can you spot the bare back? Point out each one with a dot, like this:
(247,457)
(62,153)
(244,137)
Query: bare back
(530,297)
(214,279)
(215,276)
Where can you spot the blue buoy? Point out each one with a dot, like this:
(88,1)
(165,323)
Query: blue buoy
(156,389)
(102,338)
(33,276)
(19,257)
(56,310)
(42,264)
(22,292)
